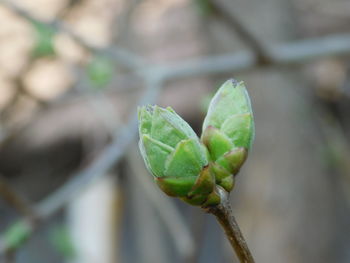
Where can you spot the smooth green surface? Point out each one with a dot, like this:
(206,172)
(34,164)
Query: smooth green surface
(168,144)
(230,111)
(204,183)
(168,127)
(233,160)
(175,186)
(186,160)
(228,131)
(231,98)
(240,129)
(157,153)
(216,142)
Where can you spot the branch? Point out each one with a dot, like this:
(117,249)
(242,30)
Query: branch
(17,233)
(279,55)
(222,13)
(223,214)
(111,155)
(15,200)
(293,53)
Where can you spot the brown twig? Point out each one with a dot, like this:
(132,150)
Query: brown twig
(9,257)
(223,214)
(15,200)
(222,13)
(30,219)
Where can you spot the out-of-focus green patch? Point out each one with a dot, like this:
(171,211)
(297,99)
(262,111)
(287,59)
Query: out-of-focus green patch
(44,40)
(62,242)
(16,234)
(333,154)
(204,7)
(100,71)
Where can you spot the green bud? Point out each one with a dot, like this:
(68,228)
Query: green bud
(196,170)
(174,156)
(228,131)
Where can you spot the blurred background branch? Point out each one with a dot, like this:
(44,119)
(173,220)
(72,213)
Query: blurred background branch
(288,54)
(275,55)
(16,201)
(97,168)
(222,13)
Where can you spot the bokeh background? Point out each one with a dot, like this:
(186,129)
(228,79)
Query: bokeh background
(73,187)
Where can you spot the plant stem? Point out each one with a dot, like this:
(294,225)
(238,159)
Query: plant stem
(223,214)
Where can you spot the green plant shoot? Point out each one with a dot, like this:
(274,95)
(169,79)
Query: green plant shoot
(190,168)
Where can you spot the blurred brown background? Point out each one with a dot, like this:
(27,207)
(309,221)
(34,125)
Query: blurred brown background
(72,73)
